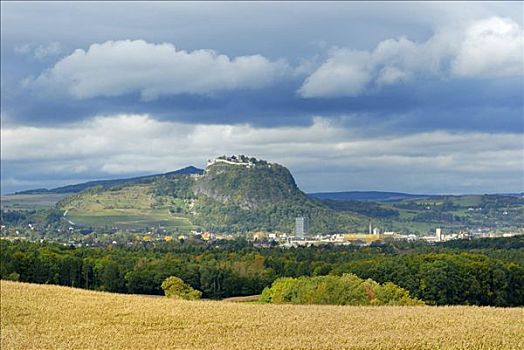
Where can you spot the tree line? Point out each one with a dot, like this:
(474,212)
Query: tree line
(438,275)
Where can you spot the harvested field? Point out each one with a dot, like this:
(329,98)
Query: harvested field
(52,317)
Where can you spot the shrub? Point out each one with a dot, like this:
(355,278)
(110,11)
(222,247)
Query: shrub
(175,287)
(14,276)
(347,289)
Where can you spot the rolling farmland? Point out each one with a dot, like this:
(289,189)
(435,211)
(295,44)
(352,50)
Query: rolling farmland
(128,207)
(52,317)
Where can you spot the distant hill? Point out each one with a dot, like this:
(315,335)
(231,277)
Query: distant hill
(232,195)
(253,195)
(111,183)
(242,194)
(377,196)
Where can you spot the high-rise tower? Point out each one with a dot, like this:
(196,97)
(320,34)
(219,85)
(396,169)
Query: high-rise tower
(301,226)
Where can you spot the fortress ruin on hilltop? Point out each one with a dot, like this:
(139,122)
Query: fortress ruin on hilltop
(248,162)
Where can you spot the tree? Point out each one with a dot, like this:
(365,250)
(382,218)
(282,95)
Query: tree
(175,287)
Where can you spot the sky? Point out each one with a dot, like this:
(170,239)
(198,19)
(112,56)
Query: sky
(419,97)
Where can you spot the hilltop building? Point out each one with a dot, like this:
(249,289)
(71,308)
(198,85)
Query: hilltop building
(301,226)
(233,160)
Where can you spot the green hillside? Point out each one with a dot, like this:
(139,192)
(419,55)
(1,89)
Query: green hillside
(127,207)
(226,198)
(452,213)
(234,198)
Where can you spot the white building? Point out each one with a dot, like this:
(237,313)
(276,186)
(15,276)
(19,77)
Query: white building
(438,234)
(301,226)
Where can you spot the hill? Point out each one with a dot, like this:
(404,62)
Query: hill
(449,212)
(52,317)
(249,186)
(231,195)
(111,183)
(242,194)
(378,196)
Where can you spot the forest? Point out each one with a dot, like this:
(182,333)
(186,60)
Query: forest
(483,272)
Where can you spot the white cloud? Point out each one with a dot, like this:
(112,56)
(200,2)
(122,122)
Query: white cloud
(490,48)
(346,71)
(391,75)
(323,155)
(115,68)
(40,52)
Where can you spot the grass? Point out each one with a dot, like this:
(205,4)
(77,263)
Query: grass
(52,317)
(129,218)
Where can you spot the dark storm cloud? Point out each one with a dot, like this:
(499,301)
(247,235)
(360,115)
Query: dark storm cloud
(481,105)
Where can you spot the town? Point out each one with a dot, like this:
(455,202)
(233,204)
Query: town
(80,237)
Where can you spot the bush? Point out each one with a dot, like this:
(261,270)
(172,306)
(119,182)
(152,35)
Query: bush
(175,287)
(339,290)
(14,276)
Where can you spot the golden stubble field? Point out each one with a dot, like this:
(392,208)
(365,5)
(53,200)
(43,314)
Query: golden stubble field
(52,317)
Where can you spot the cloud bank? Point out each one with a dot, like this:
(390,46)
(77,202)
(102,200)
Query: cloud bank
(115,68)
(488,48)
(138,144)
